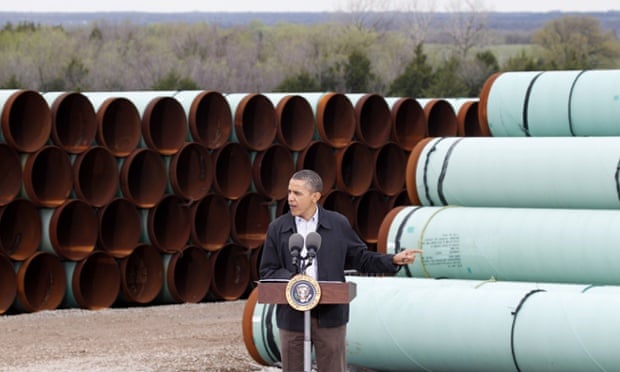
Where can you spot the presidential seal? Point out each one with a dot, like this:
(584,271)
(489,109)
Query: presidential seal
(303,292)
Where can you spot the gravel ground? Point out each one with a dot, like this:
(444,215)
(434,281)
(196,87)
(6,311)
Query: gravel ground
(185,337)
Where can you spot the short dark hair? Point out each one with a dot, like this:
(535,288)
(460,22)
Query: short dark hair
(311,178)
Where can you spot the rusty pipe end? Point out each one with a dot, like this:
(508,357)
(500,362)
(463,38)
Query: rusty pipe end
(231,274)
(272,170)
(319,157)
(355,169)
(95,176)
(374,120)
(119,128)
(41,283)
(389,174)
(73,230)
(119,228)
(409,123)
(168,224)
(483,118)
(370,209)
(189,275)
(441,118)
(8,280)
(143,178)
(26,121)
(210,119)
(233,170)
(191,171)
(211,222)
(250,218)
(142,275)
(248,327)
(11,180)
(96,281)
(74,122)
(335,119)
(295,122)
(468,123)
(48,176)
(255,122)
(164,125)
(20,229)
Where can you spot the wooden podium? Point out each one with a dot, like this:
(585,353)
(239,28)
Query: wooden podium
(274,292)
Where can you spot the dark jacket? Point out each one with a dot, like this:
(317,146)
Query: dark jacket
(340,247)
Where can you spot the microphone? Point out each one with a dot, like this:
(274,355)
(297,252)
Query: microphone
(295,245)
(313,243)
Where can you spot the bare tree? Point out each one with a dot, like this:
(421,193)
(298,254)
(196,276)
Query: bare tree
(416,20)
(468,25)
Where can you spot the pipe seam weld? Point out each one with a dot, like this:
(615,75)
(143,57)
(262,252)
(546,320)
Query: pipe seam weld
(444,168)
(399,233)
(426,163)
(526,104)
(570,103)
(514,322)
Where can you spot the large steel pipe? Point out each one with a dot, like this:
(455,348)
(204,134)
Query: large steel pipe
(250,218)
(26,120)
(553,172)
(142,177)
(339,201)
(354,168)
(70,231)
(209,117)
(118,123)
(142,275)
(370,209)
(468,124)
(41,283)
(188,276)
(119,228)
(95,176)
(254,120)
(20,229)
(8,286)
(409,123)
(211,222)
(320,157)
(522,244)
(295,120)
(390,163)
(11,180)
(167,225)
(74,121)
(440,117)
(233,170)
(231,272)
(47,176)
(190,171)
(373,119)
(335,117)
(92,283)
(466,325)
(271,171)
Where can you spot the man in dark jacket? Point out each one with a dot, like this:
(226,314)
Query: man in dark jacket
(341,247)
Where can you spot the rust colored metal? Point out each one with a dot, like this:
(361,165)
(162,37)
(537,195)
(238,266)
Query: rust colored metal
(411,170)
(188,276)
(47,176)
(468,123)
(142,275)
(295,121)
(231,274)
(210,119)
(119,126)
(255,256)
(164,125)
(74,122)
(400,199)
(271,171)
(390,163)
(282,207)
(20,229)
(319,157)
(255,122)
(119,228)
(335,119)
(41,283)
(211,222)
(370,209)
(339,201)
(483,119)
(233,170)
(409,123)
(250,218)
(190,171)
(11,180)
(168,224)
(143,177)
(95,176)
(354,168)
(95,281)
(384,229)
(441,118)
(26,121)
(8,284)
(72,229)
(248,327)
(374,120)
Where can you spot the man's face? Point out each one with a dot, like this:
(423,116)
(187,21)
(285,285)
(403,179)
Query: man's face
(301,201)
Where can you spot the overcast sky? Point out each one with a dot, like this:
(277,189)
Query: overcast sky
(286,5)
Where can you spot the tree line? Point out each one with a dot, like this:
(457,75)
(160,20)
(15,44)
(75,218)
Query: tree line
(351,57)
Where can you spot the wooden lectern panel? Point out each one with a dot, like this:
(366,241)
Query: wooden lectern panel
(274,292)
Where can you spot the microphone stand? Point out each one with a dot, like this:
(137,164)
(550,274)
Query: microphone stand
(307,327)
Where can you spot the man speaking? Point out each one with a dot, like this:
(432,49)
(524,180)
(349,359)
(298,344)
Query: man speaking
(291,246)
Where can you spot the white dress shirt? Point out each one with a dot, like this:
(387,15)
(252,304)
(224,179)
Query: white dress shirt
(303,228)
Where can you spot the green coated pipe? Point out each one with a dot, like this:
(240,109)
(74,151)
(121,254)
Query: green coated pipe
(399,324)
(595,103)
(518,244)
(536,172)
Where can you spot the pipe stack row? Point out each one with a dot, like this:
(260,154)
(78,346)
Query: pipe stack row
(518,227)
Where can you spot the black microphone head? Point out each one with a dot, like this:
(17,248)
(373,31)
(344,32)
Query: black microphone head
(295,244)
(313,243)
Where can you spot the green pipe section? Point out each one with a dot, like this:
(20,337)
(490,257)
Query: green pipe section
(595,103)
(536,172)
(399,324)
(517,244)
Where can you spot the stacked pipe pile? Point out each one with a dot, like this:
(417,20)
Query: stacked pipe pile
(525,216)
(134,198)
